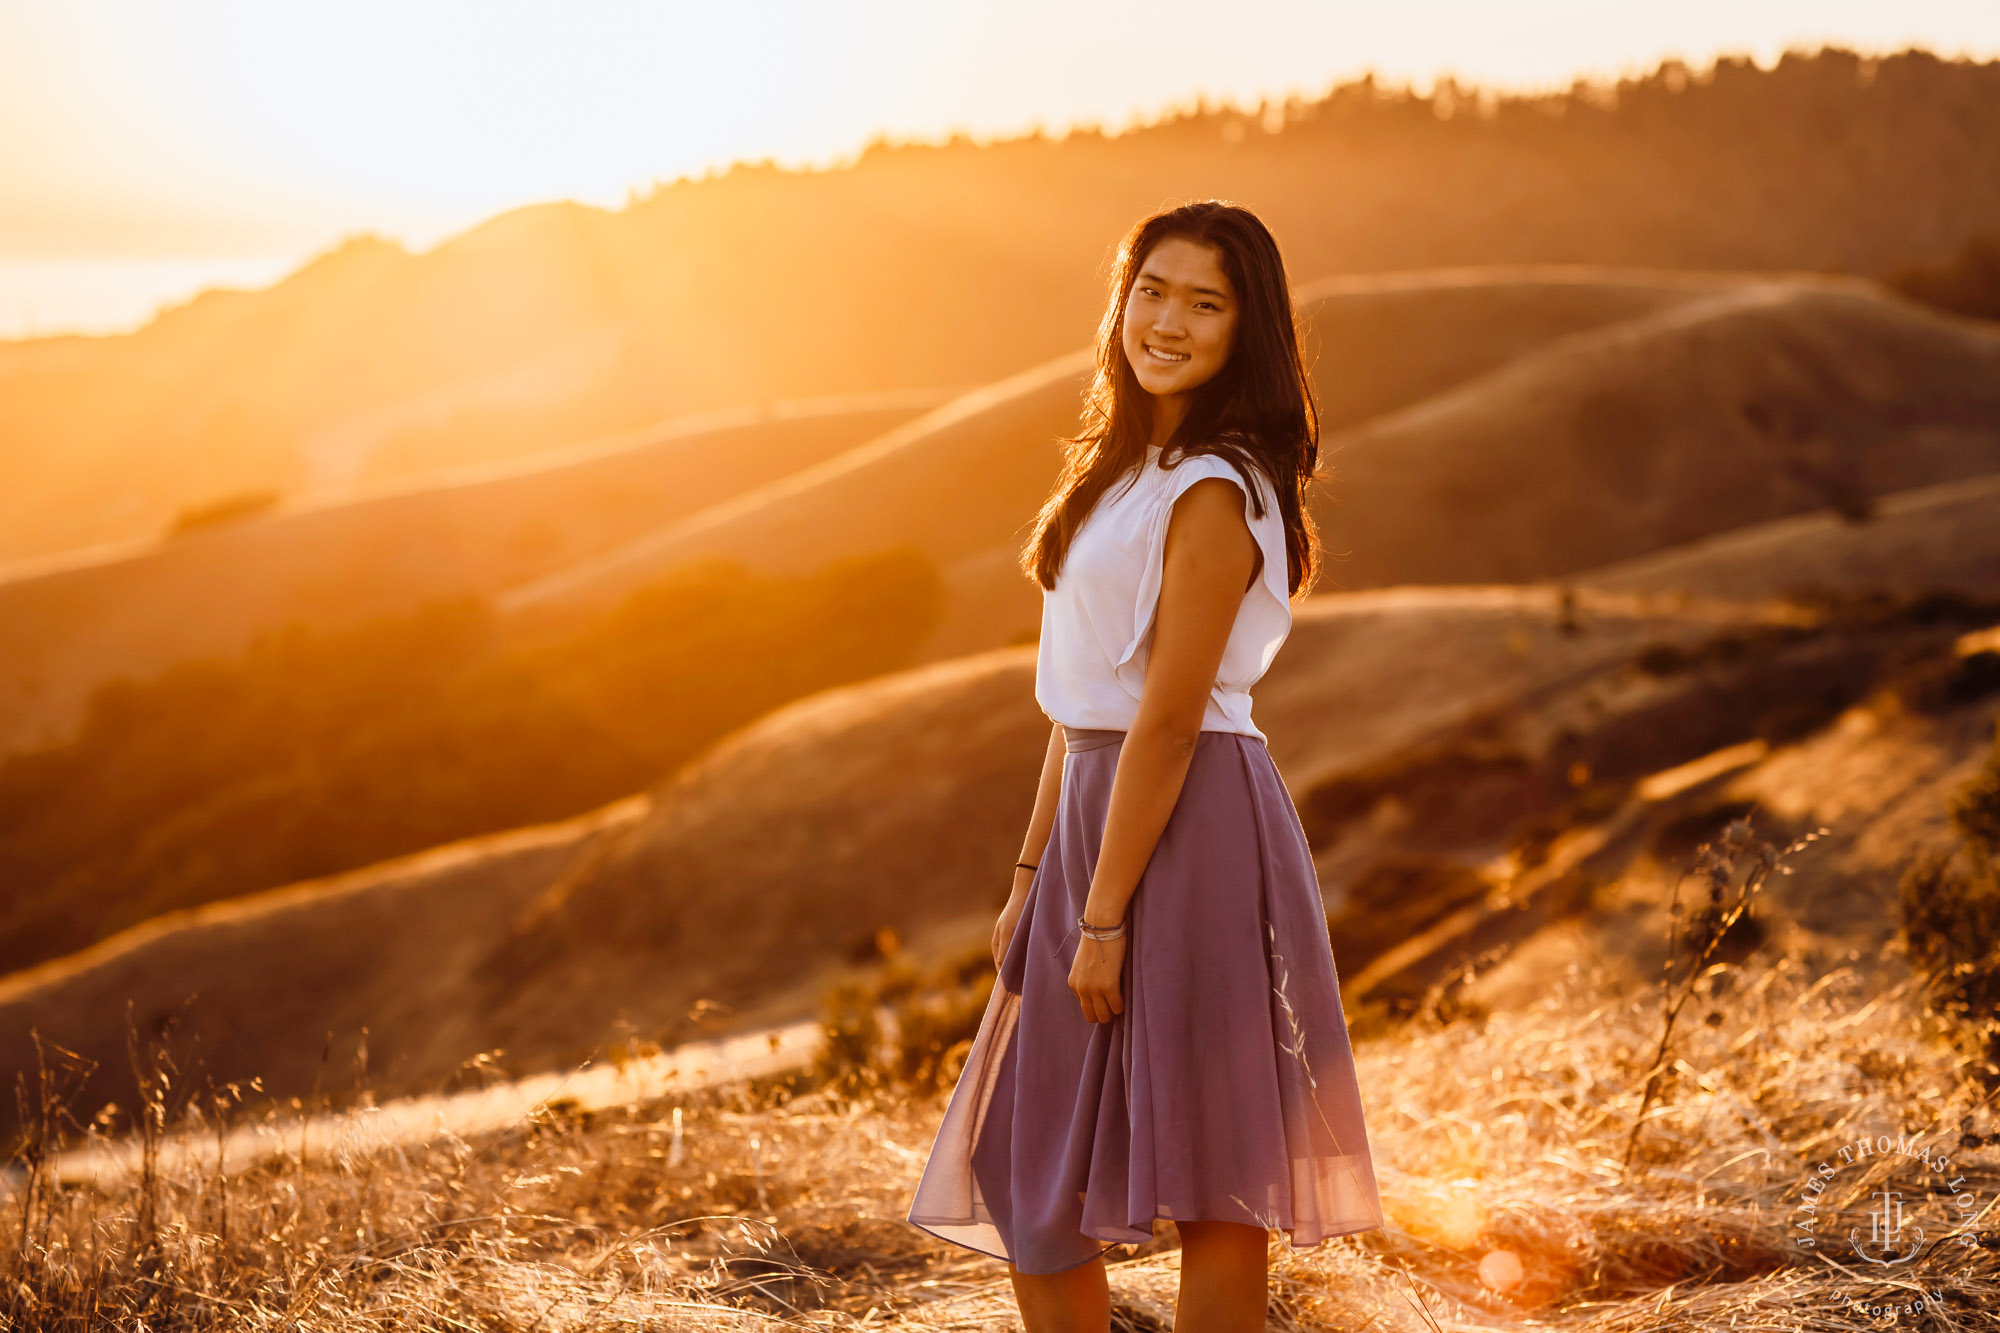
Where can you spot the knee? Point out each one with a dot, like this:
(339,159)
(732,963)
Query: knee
(1224,1236)
(1075,1300)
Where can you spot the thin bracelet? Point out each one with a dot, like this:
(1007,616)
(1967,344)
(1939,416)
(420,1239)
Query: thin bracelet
(1100,932)
(1095,932)
(1023,865)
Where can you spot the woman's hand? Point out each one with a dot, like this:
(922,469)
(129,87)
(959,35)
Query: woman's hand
(1094,975)
(1003,929)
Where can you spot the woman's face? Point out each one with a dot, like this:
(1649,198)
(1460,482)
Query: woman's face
(1180,317)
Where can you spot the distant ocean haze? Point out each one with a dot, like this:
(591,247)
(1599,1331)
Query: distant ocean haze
(99,294)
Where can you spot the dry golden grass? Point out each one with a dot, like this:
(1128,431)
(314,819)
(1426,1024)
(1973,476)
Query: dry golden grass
(781,1201)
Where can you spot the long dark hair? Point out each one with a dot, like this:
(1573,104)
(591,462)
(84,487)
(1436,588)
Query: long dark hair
(1257,411)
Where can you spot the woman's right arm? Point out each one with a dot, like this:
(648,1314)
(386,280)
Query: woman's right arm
(1035,844)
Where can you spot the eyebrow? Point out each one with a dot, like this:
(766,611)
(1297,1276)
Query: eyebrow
(1156,278)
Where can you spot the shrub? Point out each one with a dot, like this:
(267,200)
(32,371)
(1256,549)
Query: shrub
(1967,284)
(932,1017)
(227,509)
(1951,914)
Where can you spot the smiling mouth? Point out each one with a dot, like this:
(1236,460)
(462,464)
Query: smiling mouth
(1169,358)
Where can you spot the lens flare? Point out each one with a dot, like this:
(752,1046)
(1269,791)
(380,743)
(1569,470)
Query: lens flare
(1501,1270)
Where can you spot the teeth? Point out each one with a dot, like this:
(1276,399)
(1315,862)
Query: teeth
(1166,356)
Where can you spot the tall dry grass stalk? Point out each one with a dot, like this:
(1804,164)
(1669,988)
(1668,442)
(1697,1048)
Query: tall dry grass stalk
(1733,867)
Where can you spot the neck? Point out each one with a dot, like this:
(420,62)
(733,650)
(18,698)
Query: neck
(1168,411)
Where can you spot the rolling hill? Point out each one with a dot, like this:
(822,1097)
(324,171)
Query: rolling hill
(1485,759)
(1710,416)
(1730,398)
(1754,401)
(576,518)
(480,530)
(1935,539)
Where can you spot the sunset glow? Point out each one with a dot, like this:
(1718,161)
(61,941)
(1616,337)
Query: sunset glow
(222,131)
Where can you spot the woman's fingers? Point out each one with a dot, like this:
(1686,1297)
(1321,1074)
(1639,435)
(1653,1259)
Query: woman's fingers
(1095,982)
(1004,927)
(1099,1005)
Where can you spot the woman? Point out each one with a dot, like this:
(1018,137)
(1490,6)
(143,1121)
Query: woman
(1187,1057)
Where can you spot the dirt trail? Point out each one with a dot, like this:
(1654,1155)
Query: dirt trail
(358,1131)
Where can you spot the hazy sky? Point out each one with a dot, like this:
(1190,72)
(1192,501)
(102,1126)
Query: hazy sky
(217,128)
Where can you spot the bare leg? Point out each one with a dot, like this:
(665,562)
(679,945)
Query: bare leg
(1076,1300)
(1224,1270)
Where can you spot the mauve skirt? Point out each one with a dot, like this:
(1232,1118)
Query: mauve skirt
(1226,1088)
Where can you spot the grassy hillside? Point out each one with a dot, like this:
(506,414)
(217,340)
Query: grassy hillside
(1930,539)
(1631,412)
(208,591)
(1570,443)
(1472,766)
(317,752)
(1661,430)
(955,264)
(559,520)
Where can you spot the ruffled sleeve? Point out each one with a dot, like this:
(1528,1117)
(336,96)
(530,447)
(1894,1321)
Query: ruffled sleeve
(1265,616)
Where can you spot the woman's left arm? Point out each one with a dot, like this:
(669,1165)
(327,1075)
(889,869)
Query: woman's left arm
(1206,566)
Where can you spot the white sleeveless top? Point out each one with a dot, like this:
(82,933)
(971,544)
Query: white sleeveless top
(1097,622)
